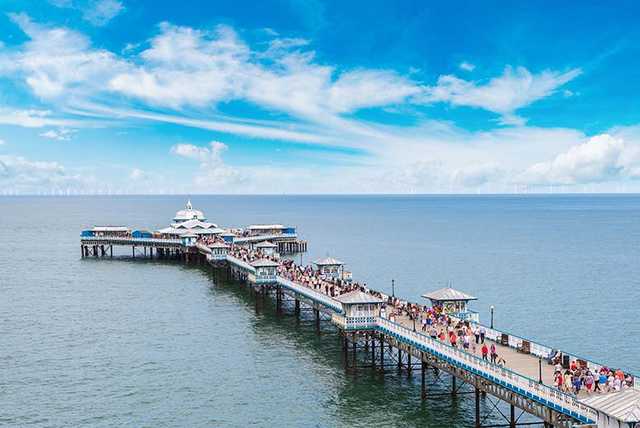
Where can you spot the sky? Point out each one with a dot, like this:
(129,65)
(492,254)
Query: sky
(284,96)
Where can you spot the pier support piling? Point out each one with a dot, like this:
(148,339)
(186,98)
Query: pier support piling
(423,380)
(373,351)
(477,399)
(453,386)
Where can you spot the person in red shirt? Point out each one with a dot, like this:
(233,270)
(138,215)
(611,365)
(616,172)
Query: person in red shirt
(485,351)
(453,339)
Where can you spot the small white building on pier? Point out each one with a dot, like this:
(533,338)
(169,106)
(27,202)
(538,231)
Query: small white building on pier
(360,310)
(330,268)
(219,251)
(267,248)
(266,271)
(453,302)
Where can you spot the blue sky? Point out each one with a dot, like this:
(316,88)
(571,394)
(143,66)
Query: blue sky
(116,96)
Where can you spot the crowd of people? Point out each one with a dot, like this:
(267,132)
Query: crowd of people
(309,277)
(210,239)
(580,378)
(249,255)
(433,321)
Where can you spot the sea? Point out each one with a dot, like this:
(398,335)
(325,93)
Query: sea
(124,342)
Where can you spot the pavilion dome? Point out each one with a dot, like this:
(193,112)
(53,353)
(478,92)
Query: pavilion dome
(189,214)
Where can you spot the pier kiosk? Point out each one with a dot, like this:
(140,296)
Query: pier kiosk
(454,303)
(267,248)
(330,268)
(360,311)
(219,251)
(266,272)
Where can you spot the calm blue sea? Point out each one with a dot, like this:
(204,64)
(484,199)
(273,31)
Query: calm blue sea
(139,343)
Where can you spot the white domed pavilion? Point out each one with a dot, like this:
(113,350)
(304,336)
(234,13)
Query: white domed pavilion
(189,214)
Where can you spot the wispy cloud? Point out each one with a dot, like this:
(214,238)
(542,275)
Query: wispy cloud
(97,12)
(61,134)
(504,95)
(466,66)
(34,119)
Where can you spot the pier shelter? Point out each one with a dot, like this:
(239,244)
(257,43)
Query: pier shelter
(266,271)
(330,268)
(360,310)
(219,251)
(453,302)
(267,248)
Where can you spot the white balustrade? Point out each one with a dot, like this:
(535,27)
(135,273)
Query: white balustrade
(523,385)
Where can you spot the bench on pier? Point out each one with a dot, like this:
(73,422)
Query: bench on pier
(525,347)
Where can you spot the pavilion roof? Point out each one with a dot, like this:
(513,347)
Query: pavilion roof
(357,297)
(263,263)
(623,405)
(328,261)
(266,244)
(110,229)
(266,226)
(448,294)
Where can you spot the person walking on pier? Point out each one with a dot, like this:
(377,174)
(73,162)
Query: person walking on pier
(485,351)
(483,333)
(476,333)
(494,353)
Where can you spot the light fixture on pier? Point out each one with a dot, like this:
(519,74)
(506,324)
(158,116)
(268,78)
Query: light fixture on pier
(492,308)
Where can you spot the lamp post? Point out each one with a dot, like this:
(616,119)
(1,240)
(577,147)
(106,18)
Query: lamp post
(540,370)
(393,288)
(492,309)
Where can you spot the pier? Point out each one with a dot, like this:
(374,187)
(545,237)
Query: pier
(444,341)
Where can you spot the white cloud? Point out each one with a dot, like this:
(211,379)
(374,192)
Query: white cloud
(97,12)
(61,134)
(141,176)
(33,118)
(213,174)
(467,66)
(188,67)
(514,89)
(601,158)
(23,175)
(100,12)
(1,141)
(366,88)
(57,61)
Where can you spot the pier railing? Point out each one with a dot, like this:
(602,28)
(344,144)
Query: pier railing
(241,264)
(546,395)
(127,240)
(311,294)
(272,237)
(543,351)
